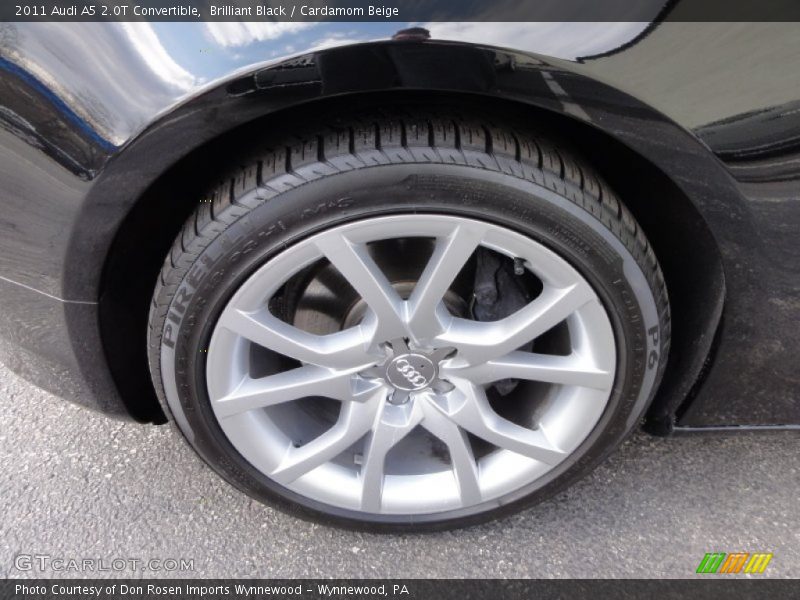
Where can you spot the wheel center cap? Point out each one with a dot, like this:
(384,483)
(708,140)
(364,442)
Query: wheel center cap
(411,372)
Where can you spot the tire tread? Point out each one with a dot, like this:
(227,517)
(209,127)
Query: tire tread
(399,137)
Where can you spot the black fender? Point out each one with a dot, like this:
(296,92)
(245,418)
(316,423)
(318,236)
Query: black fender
(457,70)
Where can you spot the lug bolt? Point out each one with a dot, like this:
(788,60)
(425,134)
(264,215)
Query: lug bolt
(399,396)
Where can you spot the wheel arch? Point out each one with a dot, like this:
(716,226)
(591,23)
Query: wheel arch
(662,173)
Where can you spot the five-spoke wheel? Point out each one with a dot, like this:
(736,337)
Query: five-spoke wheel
(410,363)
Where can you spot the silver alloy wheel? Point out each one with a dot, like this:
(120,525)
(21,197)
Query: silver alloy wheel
(409,365)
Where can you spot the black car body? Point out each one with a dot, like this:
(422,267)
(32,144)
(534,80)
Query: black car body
(89,137)
(695,125)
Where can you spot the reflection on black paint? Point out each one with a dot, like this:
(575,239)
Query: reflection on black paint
(91,114)
(31,111)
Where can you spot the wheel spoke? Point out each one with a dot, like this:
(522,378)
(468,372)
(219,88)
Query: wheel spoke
(474,414)
(343,349)
(286,386)
(393,424)
(465,469)
(564,370)
(449,257)
(354,421)
(478,342)
(357,266)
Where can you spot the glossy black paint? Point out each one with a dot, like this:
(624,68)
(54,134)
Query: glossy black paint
(95,130)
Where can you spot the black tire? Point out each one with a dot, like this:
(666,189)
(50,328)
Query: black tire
(468,166)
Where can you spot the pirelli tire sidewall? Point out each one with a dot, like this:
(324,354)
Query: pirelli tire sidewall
(185,325)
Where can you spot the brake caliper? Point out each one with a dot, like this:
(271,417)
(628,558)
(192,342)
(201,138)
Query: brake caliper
(499,292)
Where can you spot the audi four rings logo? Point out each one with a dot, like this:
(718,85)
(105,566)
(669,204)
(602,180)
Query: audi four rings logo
(413,376)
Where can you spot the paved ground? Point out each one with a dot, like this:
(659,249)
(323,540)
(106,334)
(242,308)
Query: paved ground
(76,485)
